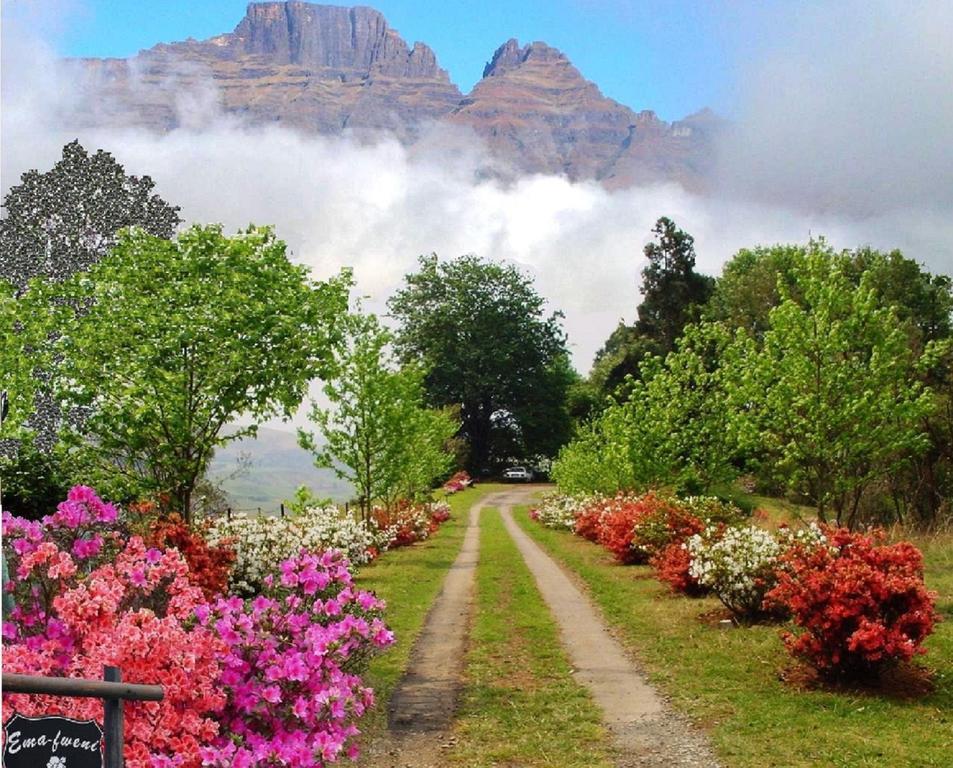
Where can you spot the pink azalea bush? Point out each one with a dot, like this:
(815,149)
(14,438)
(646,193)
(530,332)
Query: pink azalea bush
(269,681)
(88,597)
(291,670)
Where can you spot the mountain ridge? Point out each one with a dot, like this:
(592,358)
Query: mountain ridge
(332,70)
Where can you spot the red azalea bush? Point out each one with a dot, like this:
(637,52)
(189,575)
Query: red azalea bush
(439,513)
(86,597)
(209,565)
(672,566)
(589,522)
(616,531)
(663,522)
(860,603)
(405,523)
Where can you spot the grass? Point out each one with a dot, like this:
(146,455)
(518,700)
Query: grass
(727,678)
(520,704)
(409,579)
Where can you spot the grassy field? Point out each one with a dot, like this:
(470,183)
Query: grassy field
(729,678)
(409,579)
(520,706)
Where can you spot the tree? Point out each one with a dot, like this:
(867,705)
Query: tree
(63,221)
(673,295)
(692,398)
(672,292)
(178,340)
(56,224)
(480,331)
(841,405)
(378,434)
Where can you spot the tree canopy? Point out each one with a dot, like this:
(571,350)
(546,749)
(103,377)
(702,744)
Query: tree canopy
(179,338)
(378,434)
(480,331)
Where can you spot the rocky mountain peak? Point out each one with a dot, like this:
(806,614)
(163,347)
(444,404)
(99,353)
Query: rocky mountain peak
(328,37)
(511,56)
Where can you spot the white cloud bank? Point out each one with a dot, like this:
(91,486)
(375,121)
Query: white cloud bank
(337,203)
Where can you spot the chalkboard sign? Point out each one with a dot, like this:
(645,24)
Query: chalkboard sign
(52,742)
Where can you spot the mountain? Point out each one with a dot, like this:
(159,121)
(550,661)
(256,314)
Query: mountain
(329,70)
(265,470)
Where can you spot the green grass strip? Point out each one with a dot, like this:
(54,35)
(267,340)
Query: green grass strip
(727,678)
(409,579)
(520,705)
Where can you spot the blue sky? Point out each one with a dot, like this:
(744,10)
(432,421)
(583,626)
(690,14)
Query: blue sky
(674,57)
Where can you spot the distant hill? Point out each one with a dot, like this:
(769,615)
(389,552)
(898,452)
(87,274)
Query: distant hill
(277,465)
(332,70)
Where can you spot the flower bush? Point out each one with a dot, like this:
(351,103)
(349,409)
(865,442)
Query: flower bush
(559,512)
(663,522)
(460,481)
(741,564)
(403,524)
(209,564)
(292,665)
(859,603)
(260,542)
(439,513)
(269,681)
(737,564)
(86,596)
(673,567)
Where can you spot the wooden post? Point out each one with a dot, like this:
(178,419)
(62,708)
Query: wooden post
(228,513)
(282,509)
(112,722)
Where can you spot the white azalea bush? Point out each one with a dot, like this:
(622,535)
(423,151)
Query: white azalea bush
(740,564)
(261,542)
(559,512)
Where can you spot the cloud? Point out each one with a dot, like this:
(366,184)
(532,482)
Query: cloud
(377,206)
(847,107)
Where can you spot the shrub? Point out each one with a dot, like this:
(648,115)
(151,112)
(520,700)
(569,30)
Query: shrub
(617,528)
(741,564)
(403,524)
(262,541)
(558,512)
(292,665)
(662,523)
(209,564)
(85,596)
(673,567)
(439,513)
(860,604)
(738,566)
(458,482)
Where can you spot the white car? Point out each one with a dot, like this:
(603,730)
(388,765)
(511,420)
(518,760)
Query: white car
(521,474)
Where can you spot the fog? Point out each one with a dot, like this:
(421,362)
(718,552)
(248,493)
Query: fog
(842,129)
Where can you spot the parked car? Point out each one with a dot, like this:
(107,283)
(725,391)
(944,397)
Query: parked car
(518,474)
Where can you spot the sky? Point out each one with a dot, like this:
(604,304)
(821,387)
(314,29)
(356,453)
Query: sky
(673,57)
(842,114)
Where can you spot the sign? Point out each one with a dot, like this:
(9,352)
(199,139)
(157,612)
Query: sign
(52,742)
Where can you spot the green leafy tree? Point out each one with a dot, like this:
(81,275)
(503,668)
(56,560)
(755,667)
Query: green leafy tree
(480,331)
(673,295)
(841,406)
(55,224)
(378,434)
(672,291)
(692,398)
(179,339)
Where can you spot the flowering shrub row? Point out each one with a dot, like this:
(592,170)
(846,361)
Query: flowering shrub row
(406,523)
(269,681)
(459,482)
(857,603)
(260,541)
